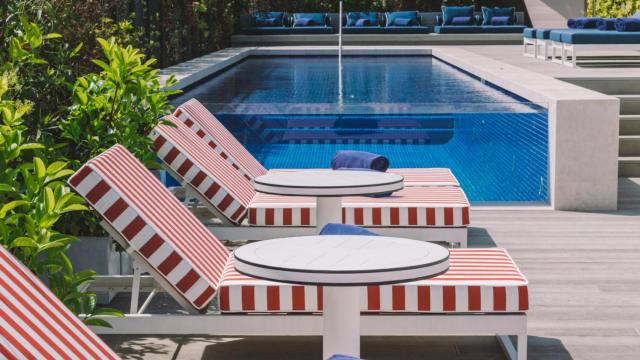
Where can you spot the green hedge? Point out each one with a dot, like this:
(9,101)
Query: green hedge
(613,8)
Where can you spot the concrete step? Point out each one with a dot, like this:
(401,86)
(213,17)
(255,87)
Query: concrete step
(629,104)
(621,86)
(629,124)
(629,166)
(629,145)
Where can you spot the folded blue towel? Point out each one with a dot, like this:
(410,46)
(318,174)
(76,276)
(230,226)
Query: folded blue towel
(349,159)
(304,22)
(363,22)
(462,20)
(344,229)
(628,24)
(343,357)
(500,20)
(606,24)
(404,22)
(583,23)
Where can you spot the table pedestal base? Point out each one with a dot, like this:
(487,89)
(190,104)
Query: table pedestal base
(341,321)
(328,210)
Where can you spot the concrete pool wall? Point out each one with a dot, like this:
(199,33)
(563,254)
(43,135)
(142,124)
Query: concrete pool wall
(583,124)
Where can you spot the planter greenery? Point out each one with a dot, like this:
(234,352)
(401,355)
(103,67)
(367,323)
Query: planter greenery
(613,8)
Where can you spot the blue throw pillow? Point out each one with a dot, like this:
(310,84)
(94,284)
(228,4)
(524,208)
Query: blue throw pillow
(363,22)
(404,22)
(305,22)
(449,12)
(462,20)
(317,18)
(392,16)
(628,24)
(606,24)
(500,21)
(489,13)
(353,17)
(272,18)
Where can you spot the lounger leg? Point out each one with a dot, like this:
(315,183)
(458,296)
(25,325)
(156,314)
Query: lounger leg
(522,347)
(135,289)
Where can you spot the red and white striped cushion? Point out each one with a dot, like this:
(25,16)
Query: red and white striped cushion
(216,135)
(34,324)
(437,206)
(215,179)
(203,123)
(478,280)
(154,224)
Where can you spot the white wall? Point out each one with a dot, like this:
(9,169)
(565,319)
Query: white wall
(553,13)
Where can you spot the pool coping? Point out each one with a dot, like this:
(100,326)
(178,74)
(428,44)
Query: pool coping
(583,124)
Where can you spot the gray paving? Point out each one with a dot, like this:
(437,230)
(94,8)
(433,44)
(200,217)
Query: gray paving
(584,270)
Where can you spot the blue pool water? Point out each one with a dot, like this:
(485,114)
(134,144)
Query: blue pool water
(294,112)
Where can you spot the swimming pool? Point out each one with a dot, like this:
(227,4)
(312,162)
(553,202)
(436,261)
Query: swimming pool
(295,112)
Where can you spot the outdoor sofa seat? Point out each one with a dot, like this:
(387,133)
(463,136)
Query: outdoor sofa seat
(479,29)
(287,30)
(482,293)
(569,41)
(215,134)
(34,324)
(230,196)
(387,30)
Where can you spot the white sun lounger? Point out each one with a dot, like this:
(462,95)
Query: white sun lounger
(433,213)
(483,293)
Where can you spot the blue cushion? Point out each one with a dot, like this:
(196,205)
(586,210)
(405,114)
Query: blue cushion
(593,36)
(404,22)
(469,29)
(489,13)
(363,22)
(503,29)
(265,18)
(345,229)
(462,20)
(305,22)
(281,30)
(529,33)
(343,357)
(386,30)
(545,34)
(449,12)
(627,24)
(500,20)
(349,159)
(318,18)
(392,16)
(606,24)
(353,17)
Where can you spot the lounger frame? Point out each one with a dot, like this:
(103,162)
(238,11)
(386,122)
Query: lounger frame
(501,325)
(529,47)
(226,230)
(568,53)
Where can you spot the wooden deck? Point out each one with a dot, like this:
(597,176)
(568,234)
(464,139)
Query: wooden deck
(584,270)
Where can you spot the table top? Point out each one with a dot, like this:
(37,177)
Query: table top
(342,260)
(328,183)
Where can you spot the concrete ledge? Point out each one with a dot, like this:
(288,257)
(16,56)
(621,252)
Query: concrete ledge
(377,39)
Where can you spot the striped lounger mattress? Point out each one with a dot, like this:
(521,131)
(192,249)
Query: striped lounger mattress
(233,195)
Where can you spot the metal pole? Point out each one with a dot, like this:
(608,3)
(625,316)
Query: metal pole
(340,96)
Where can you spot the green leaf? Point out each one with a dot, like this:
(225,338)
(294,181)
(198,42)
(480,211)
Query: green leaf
(10,206)
(49,199)
(107,312)
(31,146)
(41,170)
(97,322)
(6,188)
(52,36)
(55,167)
(24,242)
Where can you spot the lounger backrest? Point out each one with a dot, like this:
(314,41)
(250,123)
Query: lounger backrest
(189,157)
(216,135)
(154,225)
(34,324)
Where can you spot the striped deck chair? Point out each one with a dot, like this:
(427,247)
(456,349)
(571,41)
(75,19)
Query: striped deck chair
(34,324)
(216,135)
(434,213)
(484,292)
